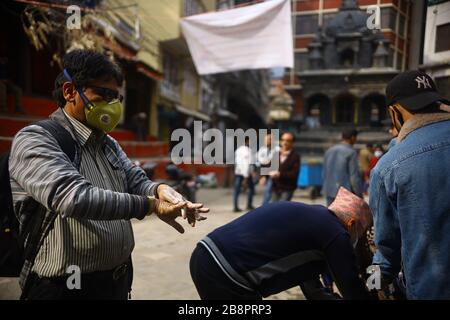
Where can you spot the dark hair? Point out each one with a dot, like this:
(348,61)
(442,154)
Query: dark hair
(289,133)
(347,134)
(431,108)
(85,66)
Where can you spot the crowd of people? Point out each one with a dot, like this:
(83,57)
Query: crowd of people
(280,184)
(407,185)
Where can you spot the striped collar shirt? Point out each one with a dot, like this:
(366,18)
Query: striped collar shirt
(82,132)
(92,200)
(89,244)
(93,204)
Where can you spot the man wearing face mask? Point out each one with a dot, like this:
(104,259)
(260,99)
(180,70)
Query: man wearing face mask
(410,187)
(87,201)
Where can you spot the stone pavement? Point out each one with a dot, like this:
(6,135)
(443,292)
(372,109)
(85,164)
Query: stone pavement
(161,256)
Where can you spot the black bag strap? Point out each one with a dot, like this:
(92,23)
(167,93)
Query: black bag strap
(64,138)
(5,196)
(68,146)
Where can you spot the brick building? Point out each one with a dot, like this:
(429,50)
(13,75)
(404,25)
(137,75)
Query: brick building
(340,22)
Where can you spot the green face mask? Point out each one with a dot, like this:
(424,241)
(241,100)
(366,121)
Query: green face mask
(100,115)
(104,115)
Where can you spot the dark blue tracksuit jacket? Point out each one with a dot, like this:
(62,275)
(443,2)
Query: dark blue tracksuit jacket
(280,245)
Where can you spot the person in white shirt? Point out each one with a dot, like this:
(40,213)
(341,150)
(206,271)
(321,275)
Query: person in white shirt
(265,155)
(243,171)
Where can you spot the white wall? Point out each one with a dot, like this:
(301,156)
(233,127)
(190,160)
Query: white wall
(436,15)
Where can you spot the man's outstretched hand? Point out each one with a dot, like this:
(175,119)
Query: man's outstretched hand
(167,212)
(190,211)
(193,212)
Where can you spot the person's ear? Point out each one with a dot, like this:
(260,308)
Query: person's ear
(69,92)
(351,227)
(403,111)
(350,224)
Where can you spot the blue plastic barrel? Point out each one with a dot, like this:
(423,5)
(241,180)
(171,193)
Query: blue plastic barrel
(310,175)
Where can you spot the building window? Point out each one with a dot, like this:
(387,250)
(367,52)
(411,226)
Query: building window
(401,26)
(224,4)
(306,24)
(327,17)
(443,86)
(347,58)
(442,38)
(388,18)
(399,61)
(229,4)
(170,87)
(301,61)
(192,7)
(190,81)
(391,57)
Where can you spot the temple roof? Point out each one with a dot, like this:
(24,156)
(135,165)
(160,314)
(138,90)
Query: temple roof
(349,20)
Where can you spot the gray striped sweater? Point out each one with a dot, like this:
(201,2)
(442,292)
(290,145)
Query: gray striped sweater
(94,198)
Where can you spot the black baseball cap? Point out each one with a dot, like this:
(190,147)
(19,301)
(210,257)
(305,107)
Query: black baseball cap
(413,90)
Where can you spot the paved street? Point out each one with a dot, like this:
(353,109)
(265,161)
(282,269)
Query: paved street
(161,256)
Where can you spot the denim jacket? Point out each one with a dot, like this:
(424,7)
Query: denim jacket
(410,200)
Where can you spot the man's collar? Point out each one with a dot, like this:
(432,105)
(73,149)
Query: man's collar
(419,121)
(346,143)
(83,132)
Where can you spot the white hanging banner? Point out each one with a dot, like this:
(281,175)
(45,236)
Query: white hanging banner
(254,37)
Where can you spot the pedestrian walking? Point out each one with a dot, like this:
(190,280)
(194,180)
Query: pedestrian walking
(265,156)
(285,179)
(243,173)
(341,167)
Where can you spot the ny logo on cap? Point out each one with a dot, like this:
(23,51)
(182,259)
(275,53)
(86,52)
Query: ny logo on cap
(423,81)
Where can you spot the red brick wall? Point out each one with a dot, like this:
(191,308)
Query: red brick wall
(301,43)
(403,6)
(390,35)
(307,5)
(298,100)
(332,4)
(401,43)
(367,2)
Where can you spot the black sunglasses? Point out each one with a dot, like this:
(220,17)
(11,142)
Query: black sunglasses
(107,94)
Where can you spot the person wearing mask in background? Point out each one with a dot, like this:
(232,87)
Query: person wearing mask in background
(410,187)
(378,153)
(285,179)
(89,201)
